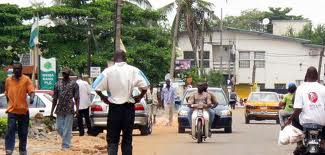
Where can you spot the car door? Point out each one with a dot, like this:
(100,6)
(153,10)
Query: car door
(32,107)
(3,106)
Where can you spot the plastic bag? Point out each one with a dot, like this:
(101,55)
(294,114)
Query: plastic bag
(290,135)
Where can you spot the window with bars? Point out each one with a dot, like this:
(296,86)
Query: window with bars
(280,86)
(259,59)
(244,59)
(261,85)
(190,56)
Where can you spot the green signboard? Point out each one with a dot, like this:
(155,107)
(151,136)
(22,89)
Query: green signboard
(48,75)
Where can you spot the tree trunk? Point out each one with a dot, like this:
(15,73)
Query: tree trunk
(192,34)
(175,39)
(118,25)
(202,47)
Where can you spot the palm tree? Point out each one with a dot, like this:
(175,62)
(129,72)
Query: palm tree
(118,19)
(186,18)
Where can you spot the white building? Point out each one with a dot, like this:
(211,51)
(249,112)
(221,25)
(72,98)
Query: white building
(278,59)
(282,27)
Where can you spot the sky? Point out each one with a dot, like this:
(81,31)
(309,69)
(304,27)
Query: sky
(311,9)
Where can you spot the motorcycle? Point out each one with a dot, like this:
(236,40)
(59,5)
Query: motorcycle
(200,122)
(312,141)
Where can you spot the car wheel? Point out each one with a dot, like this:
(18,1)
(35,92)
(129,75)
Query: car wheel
(181,130)
(228,130)
(146,130)
(95,131)
(247,120)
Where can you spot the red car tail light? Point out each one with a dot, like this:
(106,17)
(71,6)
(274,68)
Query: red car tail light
(138,107)
(96,108)
(275,108)
(250,107)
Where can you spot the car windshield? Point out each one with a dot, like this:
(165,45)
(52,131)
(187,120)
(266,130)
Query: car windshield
(264,97)
(217,93)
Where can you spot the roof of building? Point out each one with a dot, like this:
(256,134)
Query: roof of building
(305,42)
(264,34)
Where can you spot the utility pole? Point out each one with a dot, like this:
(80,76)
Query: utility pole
(320,62)
(254,73)
(118,25)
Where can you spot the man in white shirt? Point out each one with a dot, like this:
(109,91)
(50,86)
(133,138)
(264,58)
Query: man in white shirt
(120,80)
(168,95)
(309,103)
(84,93)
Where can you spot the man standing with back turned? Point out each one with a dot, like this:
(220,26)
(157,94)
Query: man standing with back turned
(120,80)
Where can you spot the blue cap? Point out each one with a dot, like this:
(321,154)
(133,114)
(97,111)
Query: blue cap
(291,84)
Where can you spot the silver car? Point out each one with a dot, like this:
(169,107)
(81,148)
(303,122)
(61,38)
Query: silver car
(99,113)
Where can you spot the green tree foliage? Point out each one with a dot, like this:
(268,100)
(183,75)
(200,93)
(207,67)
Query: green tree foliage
(13,34)
(216,79)
(147,43)
(316,35)
(251,19)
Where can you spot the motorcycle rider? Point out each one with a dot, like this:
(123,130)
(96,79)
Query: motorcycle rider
(202,96)
(287,103)
(309,104)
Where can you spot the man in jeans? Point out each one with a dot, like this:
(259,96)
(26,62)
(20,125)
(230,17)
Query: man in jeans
(84,92)
(168,94)
(120,80)
(65,91)
(16,88)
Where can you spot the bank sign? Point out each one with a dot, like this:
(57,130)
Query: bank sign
(48,75)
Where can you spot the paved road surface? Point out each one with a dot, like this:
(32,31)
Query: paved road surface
(258,138)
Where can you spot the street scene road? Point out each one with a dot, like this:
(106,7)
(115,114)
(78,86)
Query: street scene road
(257,138)
(88,77)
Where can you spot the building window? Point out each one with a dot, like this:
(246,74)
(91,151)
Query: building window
(259,59)
(244,59)
(280,86)
(261,86)
(206,58)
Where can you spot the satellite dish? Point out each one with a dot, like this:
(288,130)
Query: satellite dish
(265,21)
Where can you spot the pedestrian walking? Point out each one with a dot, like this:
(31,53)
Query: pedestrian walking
(232,99)
(16,88)
(84,93)
(155,103)
(65,97)
(120,80)
(168,95)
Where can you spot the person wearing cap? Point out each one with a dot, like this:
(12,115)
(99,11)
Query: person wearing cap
(119,81)
(65,97)
(287,104)
(16,88)
(84,92)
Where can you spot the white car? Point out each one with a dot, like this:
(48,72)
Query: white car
(42,104)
